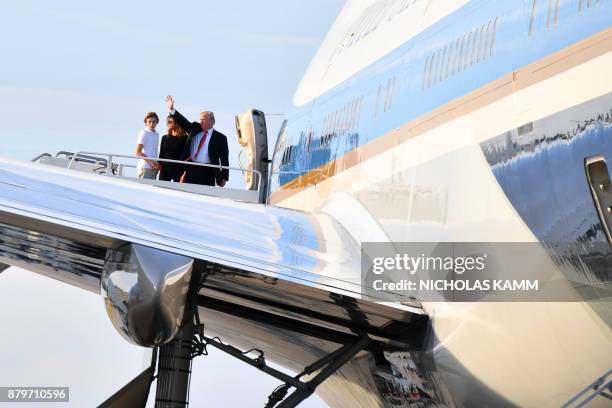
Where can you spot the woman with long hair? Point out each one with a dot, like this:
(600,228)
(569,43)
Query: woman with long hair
(172,146)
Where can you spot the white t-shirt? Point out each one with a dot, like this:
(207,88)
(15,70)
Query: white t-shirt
(149,139)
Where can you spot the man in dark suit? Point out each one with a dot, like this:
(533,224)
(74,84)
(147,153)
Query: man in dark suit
(204,145)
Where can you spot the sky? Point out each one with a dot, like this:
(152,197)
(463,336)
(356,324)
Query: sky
(79,76)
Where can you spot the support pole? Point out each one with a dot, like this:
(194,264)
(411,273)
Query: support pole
(174,368)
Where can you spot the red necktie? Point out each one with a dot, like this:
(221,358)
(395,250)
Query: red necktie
(202,140)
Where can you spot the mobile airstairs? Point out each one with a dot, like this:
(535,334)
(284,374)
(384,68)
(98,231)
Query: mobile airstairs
(252,136)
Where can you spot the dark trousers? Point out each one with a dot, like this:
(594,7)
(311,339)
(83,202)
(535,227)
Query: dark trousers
(200,175)
(171,172)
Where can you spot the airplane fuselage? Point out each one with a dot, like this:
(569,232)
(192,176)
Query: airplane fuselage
(461,122)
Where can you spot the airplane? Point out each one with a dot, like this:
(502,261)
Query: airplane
(418,121)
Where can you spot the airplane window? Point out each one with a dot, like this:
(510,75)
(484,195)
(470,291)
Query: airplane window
(370,26)
(387,95)
(280,140)
(325,124)
(393,10)
(460,65)
(457,66)
(492,46)
(349,115)
(443,63)
(486,33)
(386,104)
(405,5)
(424,83)
(336,121)
(370,19)
(449,58)
(477,42)
(464,49)
(532,18)
(392,92)
(552,15)
(346,110)
(474,48)
(440,66)
(429,70)
(434,69)
(549,14)
(453,57)
(437,67)
(470,49)
(359,104)
(478,48)
(377,100)
(487,40)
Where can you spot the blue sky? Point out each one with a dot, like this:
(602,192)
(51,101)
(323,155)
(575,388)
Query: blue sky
(80,76)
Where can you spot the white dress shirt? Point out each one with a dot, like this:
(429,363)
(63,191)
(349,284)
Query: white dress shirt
(203,155)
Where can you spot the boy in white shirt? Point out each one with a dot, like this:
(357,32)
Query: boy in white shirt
(147,146)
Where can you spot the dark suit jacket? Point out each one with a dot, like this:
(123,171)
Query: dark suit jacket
(218,151)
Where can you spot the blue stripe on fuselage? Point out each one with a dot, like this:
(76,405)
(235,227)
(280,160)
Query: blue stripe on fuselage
(514,47)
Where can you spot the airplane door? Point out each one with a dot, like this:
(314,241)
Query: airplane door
(253,137)
(599,183)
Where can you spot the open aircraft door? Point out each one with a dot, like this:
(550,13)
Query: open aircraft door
(252,135)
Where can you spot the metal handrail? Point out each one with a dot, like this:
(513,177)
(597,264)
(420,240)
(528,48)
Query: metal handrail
(109,163)
(40,156)
(87,159)
(598,387)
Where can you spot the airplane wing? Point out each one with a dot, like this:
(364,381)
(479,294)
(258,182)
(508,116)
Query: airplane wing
(284,281)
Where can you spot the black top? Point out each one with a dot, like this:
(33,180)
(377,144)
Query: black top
(172,147)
